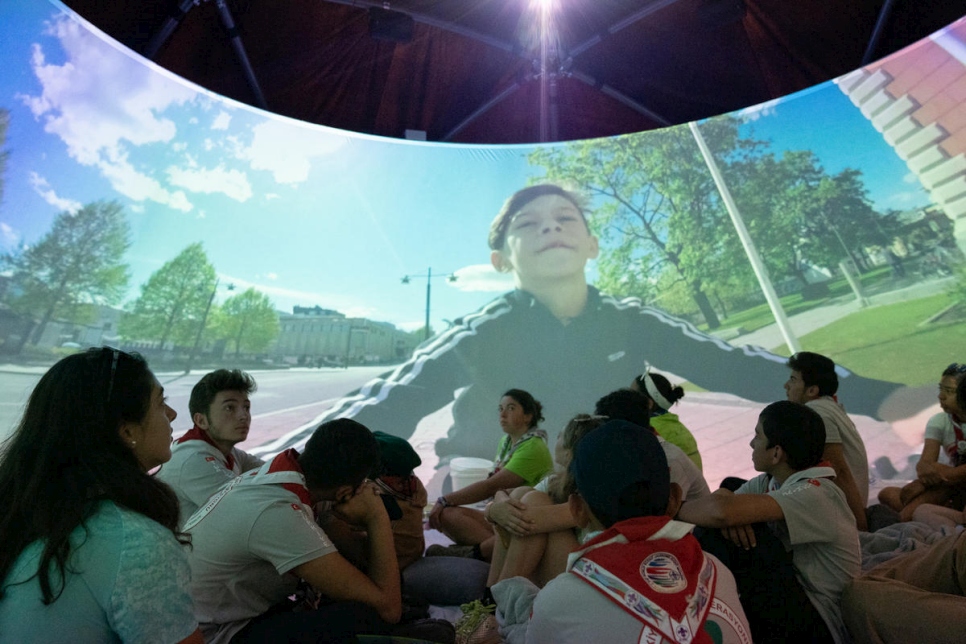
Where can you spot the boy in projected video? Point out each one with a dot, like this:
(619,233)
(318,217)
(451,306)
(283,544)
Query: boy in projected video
(564,340)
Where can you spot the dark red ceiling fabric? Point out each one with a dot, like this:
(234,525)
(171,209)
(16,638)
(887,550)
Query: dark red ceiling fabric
(687,59)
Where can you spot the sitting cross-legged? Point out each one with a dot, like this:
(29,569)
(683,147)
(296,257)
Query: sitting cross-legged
(937,483)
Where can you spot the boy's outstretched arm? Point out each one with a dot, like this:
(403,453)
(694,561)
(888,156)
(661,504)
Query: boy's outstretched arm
(723,509)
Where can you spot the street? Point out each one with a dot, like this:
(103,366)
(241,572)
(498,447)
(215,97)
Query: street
(285,398)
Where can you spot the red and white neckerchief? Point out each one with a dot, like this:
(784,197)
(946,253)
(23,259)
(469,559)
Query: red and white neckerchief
(288,461)
(198,434)
(665,582)
(283,470)
(957,451)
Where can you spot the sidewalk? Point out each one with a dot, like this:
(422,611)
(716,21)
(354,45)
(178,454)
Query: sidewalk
(770,336)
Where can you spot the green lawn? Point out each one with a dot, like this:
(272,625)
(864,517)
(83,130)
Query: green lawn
(886,342)
(760,316)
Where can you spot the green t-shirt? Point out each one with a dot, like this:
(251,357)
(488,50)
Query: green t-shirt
(531,460)
(673,431)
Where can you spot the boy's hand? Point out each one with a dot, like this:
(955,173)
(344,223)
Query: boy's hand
(742,536)
(361,508)
(512,515)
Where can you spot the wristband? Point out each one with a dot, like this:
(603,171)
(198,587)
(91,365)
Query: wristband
(486,513)
(443,502)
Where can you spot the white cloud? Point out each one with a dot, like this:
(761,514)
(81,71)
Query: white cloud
(209,145)
(138,186)
(232,183)
(271,195)
(904,197)
(481,277)
(755,112)
(101,103)
(8,235)
(287,151)
(222,121)
(910,178)
(42,188)
(272,276)
(180,146)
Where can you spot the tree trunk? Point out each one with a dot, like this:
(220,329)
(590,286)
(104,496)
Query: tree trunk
(39,331)
(799,275)
(238,338)
(28,329)
(704,305)
(169,325)
(721,305)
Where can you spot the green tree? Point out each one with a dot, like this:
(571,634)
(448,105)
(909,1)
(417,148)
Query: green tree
(840,221)
(658,212)
(796,213)
(173,301)
(76,265)
(248,320)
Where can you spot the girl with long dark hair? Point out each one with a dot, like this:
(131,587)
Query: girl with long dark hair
(89,547)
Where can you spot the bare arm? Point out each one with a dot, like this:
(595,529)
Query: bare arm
(333,576)
(725,510)
(928,466)
(526,517)
(952,475)
(835,455)
(932,473)
(550,518)
(502,480)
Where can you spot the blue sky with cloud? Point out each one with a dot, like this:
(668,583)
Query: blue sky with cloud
(307,214)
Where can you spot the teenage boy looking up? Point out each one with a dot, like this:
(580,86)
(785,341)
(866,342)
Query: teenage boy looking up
(785,599)
(257,536)
(641,576)
(206,458)
(813,382)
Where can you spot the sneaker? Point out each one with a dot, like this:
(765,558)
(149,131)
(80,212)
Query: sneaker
(478,624)
(454,550)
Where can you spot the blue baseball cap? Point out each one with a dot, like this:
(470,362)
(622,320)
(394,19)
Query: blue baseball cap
(613,456)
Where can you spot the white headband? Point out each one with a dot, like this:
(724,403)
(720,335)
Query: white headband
(653,392)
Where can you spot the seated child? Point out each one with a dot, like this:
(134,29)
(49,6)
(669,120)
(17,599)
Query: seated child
(786,597)
(522,458)
(937,483)
(660,396)
(642,577)
(535,526)
(632,406)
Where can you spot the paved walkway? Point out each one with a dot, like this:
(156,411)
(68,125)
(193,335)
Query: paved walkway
(770,336)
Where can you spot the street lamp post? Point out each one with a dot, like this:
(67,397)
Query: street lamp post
(450,277)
